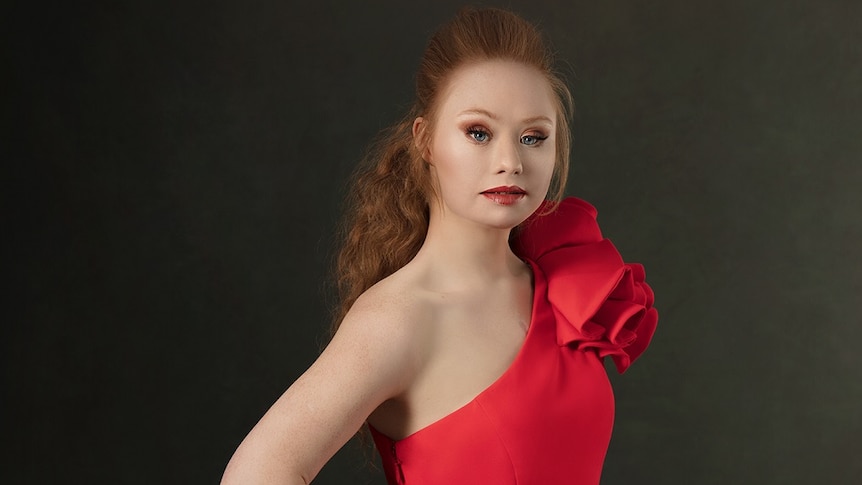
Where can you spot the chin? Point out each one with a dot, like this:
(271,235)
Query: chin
(509,221)
(512,215)
(489,214)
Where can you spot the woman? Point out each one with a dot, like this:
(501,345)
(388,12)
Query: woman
(471,362)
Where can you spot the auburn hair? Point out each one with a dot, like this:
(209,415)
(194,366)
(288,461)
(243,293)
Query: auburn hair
(386,214)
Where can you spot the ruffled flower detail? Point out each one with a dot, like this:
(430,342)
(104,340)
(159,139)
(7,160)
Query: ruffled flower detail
(599,301)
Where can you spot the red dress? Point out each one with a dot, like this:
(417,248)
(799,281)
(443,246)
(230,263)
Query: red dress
(547,420)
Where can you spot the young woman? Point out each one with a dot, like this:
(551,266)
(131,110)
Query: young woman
(475,314)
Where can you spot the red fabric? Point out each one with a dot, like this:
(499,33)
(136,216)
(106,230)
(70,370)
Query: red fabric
(547,420)
(600,302)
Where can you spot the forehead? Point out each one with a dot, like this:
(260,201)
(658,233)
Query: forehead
(508,89)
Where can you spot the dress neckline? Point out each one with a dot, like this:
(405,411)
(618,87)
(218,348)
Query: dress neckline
(534,269)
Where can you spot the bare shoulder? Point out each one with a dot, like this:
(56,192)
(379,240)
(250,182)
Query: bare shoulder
(391,316)
(373,357)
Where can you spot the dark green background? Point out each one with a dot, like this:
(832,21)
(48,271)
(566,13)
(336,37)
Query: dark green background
(172,175)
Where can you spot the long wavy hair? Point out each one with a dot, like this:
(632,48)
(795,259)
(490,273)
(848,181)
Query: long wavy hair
(386,216)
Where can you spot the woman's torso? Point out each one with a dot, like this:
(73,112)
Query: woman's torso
(465,340)
(546,419)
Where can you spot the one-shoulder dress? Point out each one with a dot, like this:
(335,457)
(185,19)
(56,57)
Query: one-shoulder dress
(547,419)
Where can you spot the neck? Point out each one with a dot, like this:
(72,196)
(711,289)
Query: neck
(459,254)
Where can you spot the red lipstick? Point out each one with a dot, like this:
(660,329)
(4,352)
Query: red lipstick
(505,194)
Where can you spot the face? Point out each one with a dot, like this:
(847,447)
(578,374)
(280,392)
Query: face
(492,151)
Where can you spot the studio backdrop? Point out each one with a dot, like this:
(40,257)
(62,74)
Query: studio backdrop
(174,173)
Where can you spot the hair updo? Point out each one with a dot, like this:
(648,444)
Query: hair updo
(386,218)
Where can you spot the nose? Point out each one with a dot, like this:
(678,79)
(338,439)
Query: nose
(508,158)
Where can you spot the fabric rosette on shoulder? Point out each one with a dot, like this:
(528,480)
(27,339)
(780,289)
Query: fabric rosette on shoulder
(600,302)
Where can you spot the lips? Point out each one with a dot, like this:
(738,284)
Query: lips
(507,190)
(505,195)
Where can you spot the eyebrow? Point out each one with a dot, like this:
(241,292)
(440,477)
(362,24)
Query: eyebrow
(479,111)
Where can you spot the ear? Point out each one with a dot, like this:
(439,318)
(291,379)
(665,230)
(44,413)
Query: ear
(420,135)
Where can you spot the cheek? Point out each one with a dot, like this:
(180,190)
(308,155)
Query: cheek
(552,165)
(454,162)
(543,163)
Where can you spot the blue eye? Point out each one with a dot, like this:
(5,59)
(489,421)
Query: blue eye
(532,139)
(478,135)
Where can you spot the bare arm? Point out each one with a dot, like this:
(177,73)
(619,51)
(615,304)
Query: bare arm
(368,361)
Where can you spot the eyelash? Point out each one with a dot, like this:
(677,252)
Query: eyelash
(478,130)
(539,139)
(473,131)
